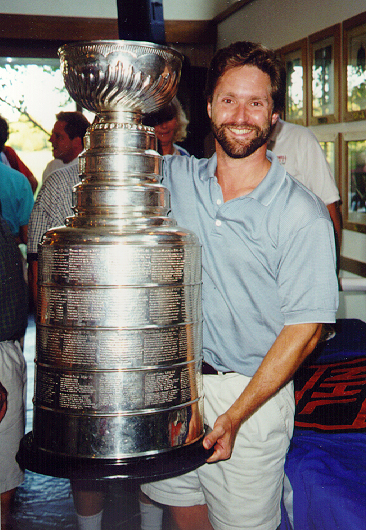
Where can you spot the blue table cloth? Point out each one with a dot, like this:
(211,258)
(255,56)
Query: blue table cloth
(326,463)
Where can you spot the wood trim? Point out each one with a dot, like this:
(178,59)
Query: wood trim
(37,27)
(353,266)
(230,10)
(66,29)
(357,20)
(191,32)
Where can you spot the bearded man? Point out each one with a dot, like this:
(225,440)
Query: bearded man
(269,282)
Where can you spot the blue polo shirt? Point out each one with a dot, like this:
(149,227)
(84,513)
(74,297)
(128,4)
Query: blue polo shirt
(268,259)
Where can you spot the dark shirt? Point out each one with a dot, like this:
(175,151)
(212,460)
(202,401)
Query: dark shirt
(13,288)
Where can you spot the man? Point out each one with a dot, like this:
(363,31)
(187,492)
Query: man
(269,281)
(298,150)
(54,200)
(13,322)
(65,142)
(53,205)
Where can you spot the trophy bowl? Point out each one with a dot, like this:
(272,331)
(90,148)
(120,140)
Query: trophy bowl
(114,76)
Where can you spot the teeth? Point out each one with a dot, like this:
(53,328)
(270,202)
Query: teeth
(240,130)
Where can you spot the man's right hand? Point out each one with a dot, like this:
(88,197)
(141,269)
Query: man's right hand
(3,401)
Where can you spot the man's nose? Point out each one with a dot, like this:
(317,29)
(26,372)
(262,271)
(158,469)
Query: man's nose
(241,113)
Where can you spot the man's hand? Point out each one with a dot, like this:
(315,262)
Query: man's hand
(3,401)
(293,344)
(222,438)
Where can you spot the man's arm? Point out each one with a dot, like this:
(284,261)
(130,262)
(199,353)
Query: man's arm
(32,280)
(290,349)
(23,234)
(336,216)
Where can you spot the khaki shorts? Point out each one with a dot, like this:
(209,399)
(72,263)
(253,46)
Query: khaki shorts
(13,377)
(245,491)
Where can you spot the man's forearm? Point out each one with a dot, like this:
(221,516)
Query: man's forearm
(289,350)
(32,279)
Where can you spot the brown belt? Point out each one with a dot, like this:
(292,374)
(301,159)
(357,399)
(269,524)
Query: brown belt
(207,369)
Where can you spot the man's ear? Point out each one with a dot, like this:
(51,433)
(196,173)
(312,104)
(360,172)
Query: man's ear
(209,109)
(275,118)
(78,143)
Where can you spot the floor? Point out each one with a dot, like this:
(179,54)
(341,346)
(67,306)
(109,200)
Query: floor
(45,503)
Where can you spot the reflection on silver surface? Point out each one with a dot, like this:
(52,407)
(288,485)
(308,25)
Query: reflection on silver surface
(119,318)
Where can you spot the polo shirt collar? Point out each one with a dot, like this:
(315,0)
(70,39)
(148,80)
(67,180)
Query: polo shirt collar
(267,189)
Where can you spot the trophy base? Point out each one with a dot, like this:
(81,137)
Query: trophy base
(139,469)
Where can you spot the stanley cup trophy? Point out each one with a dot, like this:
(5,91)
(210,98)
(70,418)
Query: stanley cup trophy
(118,389)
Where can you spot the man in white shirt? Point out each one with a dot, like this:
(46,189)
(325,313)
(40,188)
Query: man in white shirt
(298,150)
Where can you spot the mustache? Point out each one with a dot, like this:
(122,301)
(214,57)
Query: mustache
(239,126)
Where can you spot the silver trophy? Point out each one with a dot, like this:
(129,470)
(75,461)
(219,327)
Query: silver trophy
(118,387)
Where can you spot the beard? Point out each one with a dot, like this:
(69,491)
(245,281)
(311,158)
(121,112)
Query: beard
(241,149)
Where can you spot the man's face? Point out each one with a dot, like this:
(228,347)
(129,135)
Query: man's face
(241,111)
(62,145)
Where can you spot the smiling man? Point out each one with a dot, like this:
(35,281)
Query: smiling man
(269,282)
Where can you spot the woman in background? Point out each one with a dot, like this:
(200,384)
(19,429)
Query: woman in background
(170,125)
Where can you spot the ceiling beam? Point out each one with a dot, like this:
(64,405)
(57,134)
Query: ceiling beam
(66,29)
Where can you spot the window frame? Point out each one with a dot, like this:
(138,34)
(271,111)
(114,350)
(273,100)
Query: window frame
(334,34)
(351,28)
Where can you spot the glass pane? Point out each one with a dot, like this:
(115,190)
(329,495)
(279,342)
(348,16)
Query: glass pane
(32,93)
(356,73)
(329,150)
(294,84)
(357,180)
(323,78)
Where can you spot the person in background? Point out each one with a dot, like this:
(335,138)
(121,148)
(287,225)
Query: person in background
(10,158)
(52,206)
(54,200)
(62,149)
(170,125)
(13,323)
(16,201)
(66,139)
(298,150)
(268,283)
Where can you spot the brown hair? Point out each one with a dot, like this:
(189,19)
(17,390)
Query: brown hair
(4,132)
(249,53)
(76,123)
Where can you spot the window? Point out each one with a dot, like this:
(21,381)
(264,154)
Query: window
(295,59)
(32,93)
(324,75)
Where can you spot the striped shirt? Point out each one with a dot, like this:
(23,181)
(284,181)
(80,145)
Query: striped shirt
(53,205)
